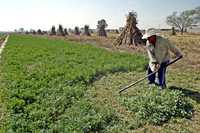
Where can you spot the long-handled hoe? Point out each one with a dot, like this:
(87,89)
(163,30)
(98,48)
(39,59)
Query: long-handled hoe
(128,86)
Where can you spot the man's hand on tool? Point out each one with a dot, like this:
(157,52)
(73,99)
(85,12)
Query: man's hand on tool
(156,67)
(132,46)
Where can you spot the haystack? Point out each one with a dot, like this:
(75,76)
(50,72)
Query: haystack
(101,28)
(130,35)
(77,31)
(87,30)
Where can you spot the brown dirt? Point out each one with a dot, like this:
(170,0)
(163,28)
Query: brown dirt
(1,42)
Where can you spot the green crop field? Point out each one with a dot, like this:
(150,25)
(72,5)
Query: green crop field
(51,85)
(46,82)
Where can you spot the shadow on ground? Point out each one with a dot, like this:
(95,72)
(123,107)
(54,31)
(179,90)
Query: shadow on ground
(192,94)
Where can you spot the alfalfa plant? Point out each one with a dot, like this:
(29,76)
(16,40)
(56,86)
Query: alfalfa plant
(158,106)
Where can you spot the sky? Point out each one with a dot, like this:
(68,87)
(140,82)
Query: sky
(42,14)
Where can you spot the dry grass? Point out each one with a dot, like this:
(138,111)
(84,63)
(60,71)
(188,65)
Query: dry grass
(189,45)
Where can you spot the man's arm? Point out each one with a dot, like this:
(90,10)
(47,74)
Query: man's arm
(154,64)
(175,50)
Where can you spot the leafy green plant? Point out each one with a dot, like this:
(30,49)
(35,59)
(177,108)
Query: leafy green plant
(156,106)
(46,81)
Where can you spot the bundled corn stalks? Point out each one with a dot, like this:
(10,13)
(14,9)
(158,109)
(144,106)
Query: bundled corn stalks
(87,30)
(130,35)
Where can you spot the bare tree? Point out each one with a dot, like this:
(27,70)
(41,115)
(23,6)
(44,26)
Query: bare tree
(87,30)
(183,20)
(101,27)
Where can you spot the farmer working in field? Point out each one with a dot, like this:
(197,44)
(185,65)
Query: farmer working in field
(158,51)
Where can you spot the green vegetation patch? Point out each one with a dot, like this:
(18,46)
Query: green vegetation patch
(45,82)
(158,106)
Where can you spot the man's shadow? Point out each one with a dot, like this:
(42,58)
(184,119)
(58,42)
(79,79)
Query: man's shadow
(192,94)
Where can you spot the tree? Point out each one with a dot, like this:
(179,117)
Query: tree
(76,31)
(60,30)
(87,30)
(101,27)
(53,30)
(184,20)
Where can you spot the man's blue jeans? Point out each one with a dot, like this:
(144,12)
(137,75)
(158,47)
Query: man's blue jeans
(161,75)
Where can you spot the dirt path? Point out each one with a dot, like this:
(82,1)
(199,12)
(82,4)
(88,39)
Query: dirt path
(2,106)
(3,44)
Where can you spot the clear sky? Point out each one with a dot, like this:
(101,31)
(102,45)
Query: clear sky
(70,13)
